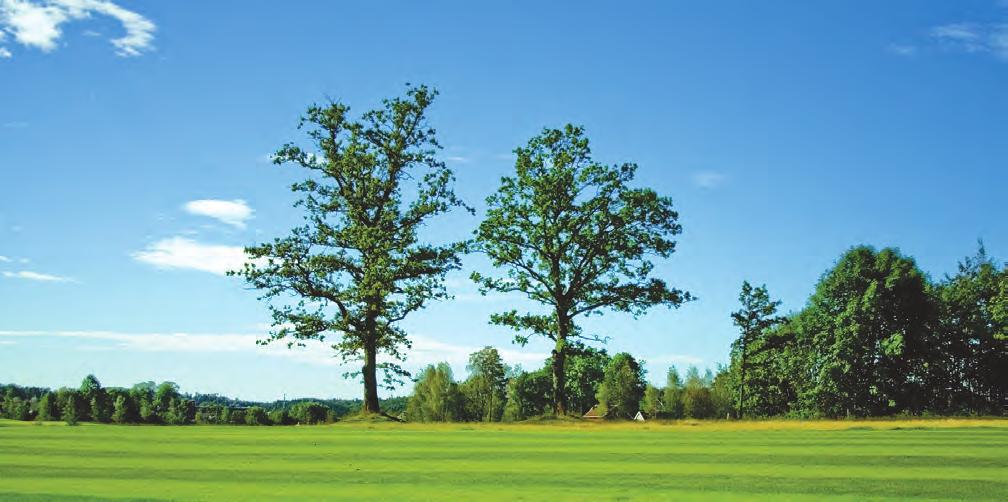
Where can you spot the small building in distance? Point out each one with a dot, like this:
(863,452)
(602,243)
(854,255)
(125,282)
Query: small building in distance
(593,413)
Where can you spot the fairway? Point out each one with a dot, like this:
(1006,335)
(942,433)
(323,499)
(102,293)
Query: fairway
(812,461)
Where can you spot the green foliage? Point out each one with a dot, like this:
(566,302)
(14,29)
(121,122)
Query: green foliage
(484,391)
(972,325)
(70,413)
(651,404)
(572,235)
(436,397)
(697,398)
(622,387)
(48,408)
(757,316)
(308,413)
(583,373)
(672,395)
(358,266)
(280,417)
(120,412)
(528,395)
(256,415)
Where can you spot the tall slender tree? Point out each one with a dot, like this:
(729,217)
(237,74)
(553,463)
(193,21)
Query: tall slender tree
(358,265)
(758,314)
(572,235)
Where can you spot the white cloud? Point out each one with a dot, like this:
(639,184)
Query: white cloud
(458,159)
(232,212)
(902,49)
(425,350)
(4,259)
(708,179)
(36,276)
(974,38)
(38,23)
(4,53)
(183,253)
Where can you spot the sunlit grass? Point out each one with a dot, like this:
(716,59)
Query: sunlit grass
(953,459)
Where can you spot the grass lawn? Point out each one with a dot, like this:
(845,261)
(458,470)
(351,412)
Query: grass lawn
(933,459)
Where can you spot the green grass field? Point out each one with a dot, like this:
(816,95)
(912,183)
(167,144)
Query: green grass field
(954,460)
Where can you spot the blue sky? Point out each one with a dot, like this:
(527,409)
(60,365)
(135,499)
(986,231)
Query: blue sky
(134,138)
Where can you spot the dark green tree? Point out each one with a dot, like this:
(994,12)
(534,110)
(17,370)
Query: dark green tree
(572,235)
(583,374)
(970,374)
(358,266)
(622,387)
(867,336)
(757,315)
(529,395)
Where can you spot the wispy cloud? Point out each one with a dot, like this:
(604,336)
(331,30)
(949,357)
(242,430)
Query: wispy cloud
(425,350)
(457,159)
(39,24)
(974,38)
(4,53)
(15,124)
(902,49)
(4,259)
(232,212)
(709,179)
(36,276)
(183,253)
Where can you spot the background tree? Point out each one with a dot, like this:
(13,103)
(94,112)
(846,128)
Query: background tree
(529,395)
(91,393)
(622,387)
(672,394)
(119,410)
(48,409)
(970,375)
(583,372)
(651,404)
(572,235)
(358,266)
(758,314)
(697,401)
(70,410)
(484,390)
(435,397)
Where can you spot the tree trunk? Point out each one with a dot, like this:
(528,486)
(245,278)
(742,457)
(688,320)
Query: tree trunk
(370,376)
(742,372)
(559,359)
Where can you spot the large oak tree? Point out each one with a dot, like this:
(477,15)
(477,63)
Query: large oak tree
(358,265)
(571,234)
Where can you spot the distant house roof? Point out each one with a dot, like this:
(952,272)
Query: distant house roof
(593,413)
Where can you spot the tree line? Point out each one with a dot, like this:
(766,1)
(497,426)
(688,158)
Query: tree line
(164,404)
(878,337)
